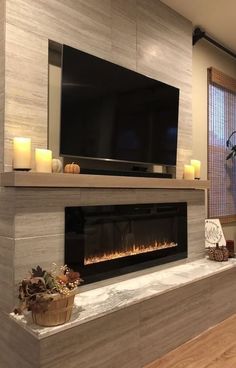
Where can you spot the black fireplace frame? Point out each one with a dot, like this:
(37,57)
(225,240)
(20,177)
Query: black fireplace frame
(119,266)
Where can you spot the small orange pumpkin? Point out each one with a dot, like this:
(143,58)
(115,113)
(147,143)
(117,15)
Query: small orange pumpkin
(72,168)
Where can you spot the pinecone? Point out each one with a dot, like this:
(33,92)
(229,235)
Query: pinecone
(218,254)
(225,253)
(211,253)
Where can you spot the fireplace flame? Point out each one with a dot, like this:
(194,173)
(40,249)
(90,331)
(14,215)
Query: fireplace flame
(136,249)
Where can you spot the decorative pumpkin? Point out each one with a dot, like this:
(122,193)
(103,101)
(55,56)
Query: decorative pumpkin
(56,165)
(72,168)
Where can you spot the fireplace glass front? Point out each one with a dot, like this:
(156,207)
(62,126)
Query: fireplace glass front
(108,240)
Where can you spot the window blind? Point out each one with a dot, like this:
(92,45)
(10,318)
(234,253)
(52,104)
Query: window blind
(221,123)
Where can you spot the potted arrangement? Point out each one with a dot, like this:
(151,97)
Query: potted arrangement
(49,295)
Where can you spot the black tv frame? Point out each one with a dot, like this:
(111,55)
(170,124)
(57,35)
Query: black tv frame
(112,166)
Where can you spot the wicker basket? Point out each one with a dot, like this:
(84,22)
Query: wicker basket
(59,311)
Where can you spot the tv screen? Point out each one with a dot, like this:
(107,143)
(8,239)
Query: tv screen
(110,112)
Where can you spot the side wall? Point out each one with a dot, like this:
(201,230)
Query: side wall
(143,35)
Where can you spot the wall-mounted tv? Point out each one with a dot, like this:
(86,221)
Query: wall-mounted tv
(111,113)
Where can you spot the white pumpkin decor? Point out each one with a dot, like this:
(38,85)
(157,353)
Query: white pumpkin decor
(56,165)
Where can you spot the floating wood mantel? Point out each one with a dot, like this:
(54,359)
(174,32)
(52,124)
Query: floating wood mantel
(45,180)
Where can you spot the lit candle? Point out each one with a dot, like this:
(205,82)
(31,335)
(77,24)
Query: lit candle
(43,160)
(197,168)
(188,172)
(21,153)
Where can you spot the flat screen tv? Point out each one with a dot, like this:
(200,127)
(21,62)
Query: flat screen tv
(111,113)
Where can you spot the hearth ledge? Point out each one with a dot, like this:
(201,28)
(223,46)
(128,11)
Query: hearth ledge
(99,302)
(41,180)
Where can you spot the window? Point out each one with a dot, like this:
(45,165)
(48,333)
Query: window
(221,123)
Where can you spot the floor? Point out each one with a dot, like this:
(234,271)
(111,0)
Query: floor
(215,348)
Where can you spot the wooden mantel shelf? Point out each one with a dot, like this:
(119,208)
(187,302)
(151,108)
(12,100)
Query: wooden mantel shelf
(43,180)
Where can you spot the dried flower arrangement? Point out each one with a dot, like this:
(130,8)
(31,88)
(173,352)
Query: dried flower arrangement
(37,291)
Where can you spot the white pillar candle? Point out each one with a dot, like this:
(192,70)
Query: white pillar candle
(21,153)
(197,168)
(188,172)
(43,160)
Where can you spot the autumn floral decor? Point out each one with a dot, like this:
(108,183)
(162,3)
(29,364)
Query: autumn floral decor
(42,289)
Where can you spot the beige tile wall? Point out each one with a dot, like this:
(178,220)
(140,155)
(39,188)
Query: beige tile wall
(142,35)
(132,337)
(39,219)
(129,338)
(7,248)
(25,89)
(18,348)
(2,79)
(32,225)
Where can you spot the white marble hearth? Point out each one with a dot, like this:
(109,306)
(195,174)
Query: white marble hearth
(101,301)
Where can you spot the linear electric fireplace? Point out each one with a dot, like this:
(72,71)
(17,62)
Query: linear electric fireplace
(104,241)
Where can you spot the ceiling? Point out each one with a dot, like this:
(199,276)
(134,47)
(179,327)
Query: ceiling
(215,17)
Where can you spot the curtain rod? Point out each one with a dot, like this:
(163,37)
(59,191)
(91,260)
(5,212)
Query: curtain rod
(198,34)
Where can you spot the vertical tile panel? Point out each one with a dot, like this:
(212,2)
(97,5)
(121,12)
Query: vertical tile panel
(164,52)
(124,40)
(2,79)
(108,342)
(25,89)
(173,318)
(18,347)
(7,285)
(7,247)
